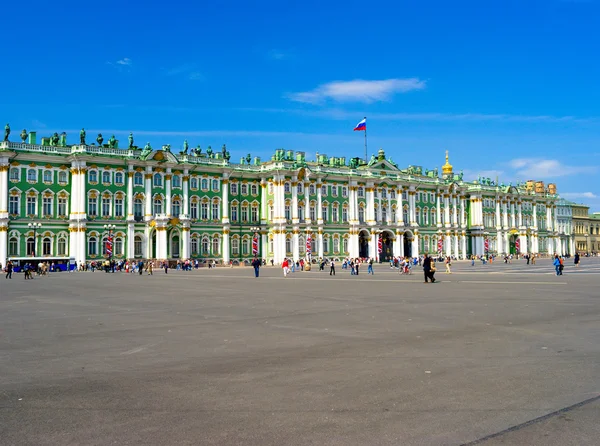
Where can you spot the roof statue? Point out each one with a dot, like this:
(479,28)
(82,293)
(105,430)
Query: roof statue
(82,137)
(248,158)
(372,160)
(99,139)
(63,139)
(54,139)
(112,142)
(6,132)
(147,146)
(24,135)
(197,150)
(209,151)
(186,147)
(130,140)
(460,175)
(447,168)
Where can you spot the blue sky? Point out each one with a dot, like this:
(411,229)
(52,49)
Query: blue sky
(510,88)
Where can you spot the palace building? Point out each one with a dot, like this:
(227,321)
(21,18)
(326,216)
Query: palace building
(57,200)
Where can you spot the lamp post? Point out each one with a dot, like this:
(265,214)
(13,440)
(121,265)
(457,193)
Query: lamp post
(255,242)
(109,247)
(486,243)
(35,227)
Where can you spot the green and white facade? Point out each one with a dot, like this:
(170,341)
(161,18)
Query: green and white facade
(169,205)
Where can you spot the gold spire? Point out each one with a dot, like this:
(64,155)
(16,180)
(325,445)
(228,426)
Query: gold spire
(447,168)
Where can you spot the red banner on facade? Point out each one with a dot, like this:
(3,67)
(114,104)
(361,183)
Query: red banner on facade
(255,245)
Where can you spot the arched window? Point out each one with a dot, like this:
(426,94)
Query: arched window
(325,212)
(405,216)
(205,246)
(157,180)
(336,245)
(92,246)
(14,173)
(13,246)
(216,246)
(288,246)
(118,247)
(194,183)
(138,179)
(47,246)
(311,189)
(215,210)
(254,189)
(157,205)
(47,176)
(245,247)
(235,247)
(204,211)
(93,176)
(361,192)
(301,245)
(326,244)
(176,208)
(119,178)
(61,246)
(62,177)
(361,214)
(300,188)
(30,246)
(137,246)
(138,208)
(105,177)
(194,210)
(244,189)
(287,188)
(175,247)
(345,245)
(31,175)
(194,246)
(215,185)
(204,184)
(176,181)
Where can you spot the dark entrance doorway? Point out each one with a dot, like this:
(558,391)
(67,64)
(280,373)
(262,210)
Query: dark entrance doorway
(408,245)
(363,244)
(152,254)
(387,247)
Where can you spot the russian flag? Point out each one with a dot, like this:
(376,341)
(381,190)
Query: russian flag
(362,125)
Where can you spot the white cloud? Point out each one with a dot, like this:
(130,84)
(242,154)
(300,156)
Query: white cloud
(536,168)
(125,61)
(277,55)
(579,195)
(358,90)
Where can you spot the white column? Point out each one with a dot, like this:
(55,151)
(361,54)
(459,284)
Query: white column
(522,243)
(373,244)
(130,240)
(168,177)
(379,209)
(185,244)
(438,209)
(161,242)
(454,211)
(130,174)
(507,242)
(295,244)
(397,245)
(498,218)
(263,206)
(548,218)
(499,244)
(513,217)
(353,244)
(400,243)
(264,245)
(447,210)
(225,247)
(224,205)
(319,204)
(463,241)
(412,208)
(370,217)
(455,240)
(148,254)
(4,166)
(399,207)
(320,243)
(447,244)
(295,219)
(148,191)
(505,215)
(415,245)
(307,204)
(520,213)
(463,206)
(186,193)
(554,218)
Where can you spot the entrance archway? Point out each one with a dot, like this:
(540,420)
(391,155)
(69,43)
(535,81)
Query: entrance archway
(408,238)
(387,246)
(363,243)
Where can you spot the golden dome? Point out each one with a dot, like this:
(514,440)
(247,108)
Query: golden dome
(447,168)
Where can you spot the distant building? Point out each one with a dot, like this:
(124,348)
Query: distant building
(594,220)
(581,227)
(200,205)
(564,213)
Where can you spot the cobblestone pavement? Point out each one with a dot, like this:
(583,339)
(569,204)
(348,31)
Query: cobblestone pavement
(491,354)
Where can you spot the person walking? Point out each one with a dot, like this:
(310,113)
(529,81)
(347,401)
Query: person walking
(140,267)
(9,270)
(556,264)
(256,265)
(332,268)
(370,268)
(150,268)
(448,264)
(427,269)
(166,267)
(285,265)
(356,266)
(576,260)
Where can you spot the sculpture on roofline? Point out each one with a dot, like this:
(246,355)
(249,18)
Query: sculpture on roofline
(186,147)
(99,139)
(112,142)
(82,137)
(63,139)
(209,151)
(248,159)
(54,139)
(197,151)
(6,132)
(130,140)
(147,147)
(224,151)
(24,135)
(460,176)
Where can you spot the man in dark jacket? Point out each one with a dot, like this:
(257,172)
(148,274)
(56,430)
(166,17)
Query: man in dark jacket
(256,265)
(427,269)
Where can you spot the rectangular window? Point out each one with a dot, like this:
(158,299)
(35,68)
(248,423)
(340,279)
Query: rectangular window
(254,214)
(215,211)
(312,212)
(118,207)
(92,207)
(204,211)
(287,212)
(344,215)
(234,188)
(62,207)
(106,207)
(344,192)
(31,206)
(324,210)
(194,210)
(334,191)
(244,213)
(47,207)
(13,205)
(233,213)
(335,214)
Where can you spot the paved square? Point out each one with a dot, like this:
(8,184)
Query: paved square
(216,357)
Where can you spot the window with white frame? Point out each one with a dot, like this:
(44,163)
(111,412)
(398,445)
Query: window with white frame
(61,246)
(47,246)
(216,246)
(137,246)
(92,246)
(324,190)
(47,176)
(176,181)
(106,177)
(345,215)
(235,247)
(312,212)
(193,183)
(361,192)
(287,212)
(244,189)
(204,184)
(119,178)
(204,211)
(344,192)
(233,188)
(47,206)
(326,244)
(118,246)
(62,177)
(254,189)
(336,245)
(106,207)
(215,185)
(312,190)
(138,179)
(158,180)
(14,173)
(119,206)
(254,213)
(31,175)
(233,213)
(194,246)
(334,190)
(300,188)
(13,205)
(345,245)
(205,246)
(31,205)
(158,205)
(13,246)
(215,210)
(325,212)
(176,207)
(287,188)
(93,176)
(194,210)
(138,208)
(30,246)
(335,214)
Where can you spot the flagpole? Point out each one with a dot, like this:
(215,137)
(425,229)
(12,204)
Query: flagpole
(366,159)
